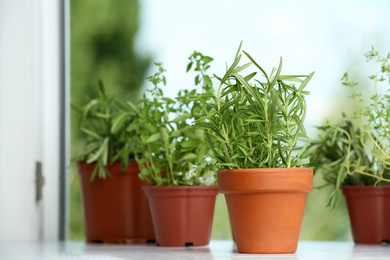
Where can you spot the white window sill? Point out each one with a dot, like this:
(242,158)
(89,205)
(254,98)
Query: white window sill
(223,249)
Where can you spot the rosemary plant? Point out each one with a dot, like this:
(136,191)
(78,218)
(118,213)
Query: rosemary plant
(256,122)
(102,145)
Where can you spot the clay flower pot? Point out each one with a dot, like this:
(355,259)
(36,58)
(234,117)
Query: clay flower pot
(266,207)
(369,213)
(182,215)
(116,209)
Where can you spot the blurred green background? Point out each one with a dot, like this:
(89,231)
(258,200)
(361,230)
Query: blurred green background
(103,46)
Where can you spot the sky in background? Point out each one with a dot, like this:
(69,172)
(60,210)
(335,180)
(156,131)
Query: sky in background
(328,37)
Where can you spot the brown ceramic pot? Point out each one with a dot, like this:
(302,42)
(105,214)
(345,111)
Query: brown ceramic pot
(266,207)
(116,209)
(182,215)
(369,213)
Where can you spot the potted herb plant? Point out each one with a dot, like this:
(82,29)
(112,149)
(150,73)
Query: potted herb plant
(115,207)
(352,155)
(257,136)
(173,156)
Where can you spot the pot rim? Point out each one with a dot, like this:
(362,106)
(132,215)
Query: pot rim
(297,179)
(270,170)
(182,187)
(180,191)
(365,186)
(365,190)
(114,169)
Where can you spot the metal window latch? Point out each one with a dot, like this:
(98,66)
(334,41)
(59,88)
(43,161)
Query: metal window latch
(39,181)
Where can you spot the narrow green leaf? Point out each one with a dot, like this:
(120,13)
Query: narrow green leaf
(305,82)
(118,122)
(182,117)
(276,77)
(165,135)
(133,107)
(91,133)
(153,138)
(190,143)
(189,157)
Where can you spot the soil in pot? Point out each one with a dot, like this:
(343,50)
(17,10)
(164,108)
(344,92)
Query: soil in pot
(116,209)
(182,215)
(266,207)
(369,213)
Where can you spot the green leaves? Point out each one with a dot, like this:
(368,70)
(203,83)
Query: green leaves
(355,151)
(256,124)
(339,156)
(247,123)
(189,157)
(104,120)
(153,138)
(170,148)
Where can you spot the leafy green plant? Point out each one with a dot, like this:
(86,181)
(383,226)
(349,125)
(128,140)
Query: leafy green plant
(169,148)
(104,146)
(355,151)
(256,122)
(375,116)
(339,155)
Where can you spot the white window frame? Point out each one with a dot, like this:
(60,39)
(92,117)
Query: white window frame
(33,119)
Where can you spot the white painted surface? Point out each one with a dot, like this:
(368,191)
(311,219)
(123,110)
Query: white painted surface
(17,120)
(29,109)
(216,250)
(51,116)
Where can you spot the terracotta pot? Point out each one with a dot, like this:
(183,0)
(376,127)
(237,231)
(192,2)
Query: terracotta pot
(266,207)
(182,215)
(369,213)
(116,209)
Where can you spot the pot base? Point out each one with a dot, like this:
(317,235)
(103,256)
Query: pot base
(122,241)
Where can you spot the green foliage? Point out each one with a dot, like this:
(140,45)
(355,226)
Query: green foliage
(356,151)
(96,122)
(339,156)
(103,35)
(169,148)
(255,124)
(375,116)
